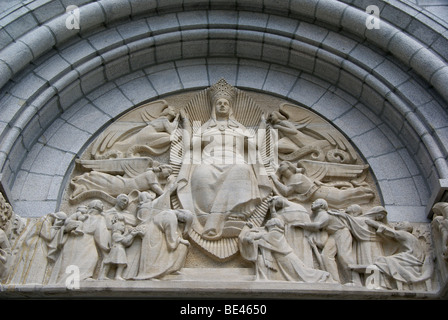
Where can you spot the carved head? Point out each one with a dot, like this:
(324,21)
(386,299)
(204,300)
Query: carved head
(404,226)
(59,218)
(287,169)
(169,112)
(163,170)
(440,209)
(354,210)
(81,209)
(185,217)
(319,204)
(377,213)
(279,202)
(95,206)
(122,201)
(118,226)
(146,197)
(222,96)
(222,107)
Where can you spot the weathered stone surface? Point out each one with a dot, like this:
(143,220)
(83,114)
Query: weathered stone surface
(385,89)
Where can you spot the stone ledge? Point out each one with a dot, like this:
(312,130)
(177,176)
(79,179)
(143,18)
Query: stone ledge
(195,288)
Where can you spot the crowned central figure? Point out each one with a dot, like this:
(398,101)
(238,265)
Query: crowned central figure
(222,179)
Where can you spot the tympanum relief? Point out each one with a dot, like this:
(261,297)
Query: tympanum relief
(274,187)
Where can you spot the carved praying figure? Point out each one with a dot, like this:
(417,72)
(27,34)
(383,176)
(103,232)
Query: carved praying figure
(269,249)
(164,247)
(409,265)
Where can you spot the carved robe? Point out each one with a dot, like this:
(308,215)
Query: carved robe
(368,244)
(273,255)
(293,213)
(410,264)
(113,184)
(162,251)
(83,251)
(33,253)
(223,182)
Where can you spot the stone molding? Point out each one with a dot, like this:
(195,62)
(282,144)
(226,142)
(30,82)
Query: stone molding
(86,63)
(384,89)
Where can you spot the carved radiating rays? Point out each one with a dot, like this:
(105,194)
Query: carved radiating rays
(246,111)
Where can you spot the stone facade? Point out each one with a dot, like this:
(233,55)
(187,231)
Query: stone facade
(384,89)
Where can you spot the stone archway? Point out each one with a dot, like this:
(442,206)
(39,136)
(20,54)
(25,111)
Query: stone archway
(383,88)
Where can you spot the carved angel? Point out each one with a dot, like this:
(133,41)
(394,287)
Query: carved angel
(304,183)
(112,177)
(147,131)
(304,137)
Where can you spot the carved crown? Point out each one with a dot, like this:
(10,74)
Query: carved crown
(222,89)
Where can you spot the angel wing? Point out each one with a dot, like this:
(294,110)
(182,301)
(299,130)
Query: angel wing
(116,132)
(130,167)
(128,125)
(318,170)
(318,128)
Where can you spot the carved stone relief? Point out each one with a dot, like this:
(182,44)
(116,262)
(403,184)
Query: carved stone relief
(224,179)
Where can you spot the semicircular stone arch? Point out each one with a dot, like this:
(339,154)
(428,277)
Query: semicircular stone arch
(382,88)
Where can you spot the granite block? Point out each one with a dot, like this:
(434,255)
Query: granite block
(138,90)
(117,68)
(354,123)
(279,82)
(389,166)
(69,138)
(116,10)
(106,40)
(194,76)
(16,56)
(113,103)
(44,11)
(306,92)
(165,81)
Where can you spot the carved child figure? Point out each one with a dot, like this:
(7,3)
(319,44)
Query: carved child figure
(74,221)
(117,254)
